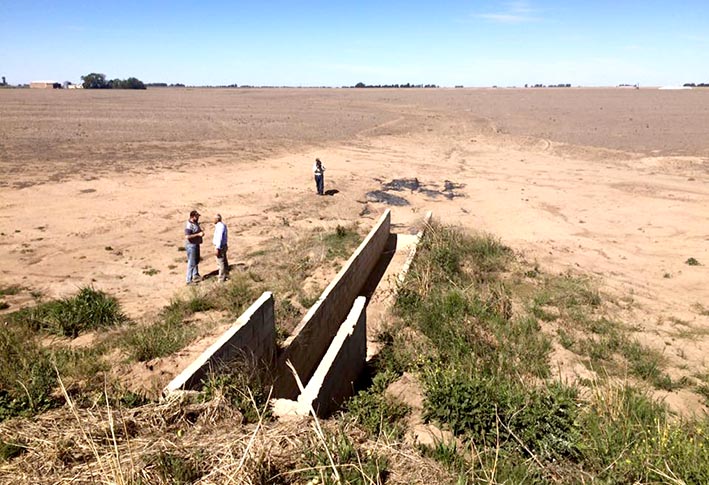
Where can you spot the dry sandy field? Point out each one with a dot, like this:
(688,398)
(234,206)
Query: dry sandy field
(611,183)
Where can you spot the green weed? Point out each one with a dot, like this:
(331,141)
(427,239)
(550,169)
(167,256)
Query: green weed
(27,377)
(244,384)
(10,290)
(485,375)
(342,242)
(89,309)
(375,411)
(150,271)
(177,469)
(9,450)
(352,466)
(146,342)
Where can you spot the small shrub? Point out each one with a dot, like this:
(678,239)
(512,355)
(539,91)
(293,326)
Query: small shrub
(176,469)
(375,411)
(566,339)
(467,405)
(703,390)
(4,305)
(448,455)
(287,314)
(198,303)
(27,377)
(342,242)
(692,262)
(244,385)
(8,450)
(163,338)
(645,363)
(10,290)
(89,309)
(309,299)
(628,438)
(352,466)
(236,295)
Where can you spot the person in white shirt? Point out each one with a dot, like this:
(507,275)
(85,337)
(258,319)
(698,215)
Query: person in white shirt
(220,241)
(319,171)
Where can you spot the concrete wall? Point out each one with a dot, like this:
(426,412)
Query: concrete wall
(313,335)
(334,378)
(412,253)
(253,336)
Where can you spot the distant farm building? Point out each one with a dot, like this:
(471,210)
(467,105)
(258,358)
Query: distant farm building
(45,85)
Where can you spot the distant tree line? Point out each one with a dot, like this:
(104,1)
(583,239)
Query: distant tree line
(164,85)
(700,85)
(98,81)
(562,85)
(407,85)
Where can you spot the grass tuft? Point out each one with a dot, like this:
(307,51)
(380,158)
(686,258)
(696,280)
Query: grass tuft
(375,411)
(89,309)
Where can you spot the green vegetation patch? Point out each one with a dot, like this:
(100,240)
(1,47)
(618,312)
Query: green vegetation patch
(340,460)
(342,242)
(10,290)
(375,411)
(27,377)
(244,384)
(470,320)
(171,332)
(178,469)
(89,309)
(9,450)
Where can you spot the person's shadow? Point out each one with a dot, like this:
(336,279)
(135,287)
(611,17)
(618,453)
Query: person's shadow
(331,192)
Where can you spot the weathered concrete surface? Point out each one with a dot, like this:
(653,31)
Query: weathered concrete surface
(412,252)
(313,335)
(383,296)
(333,380)
(253,336)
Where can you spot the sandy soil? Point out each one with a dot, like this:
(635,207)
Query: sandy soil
(96,186)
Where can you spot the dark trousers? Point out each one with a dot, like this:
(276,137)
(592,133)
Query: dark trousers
(320,184)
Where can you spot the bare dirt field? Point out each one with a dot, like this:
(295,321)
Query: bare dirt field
(96,185)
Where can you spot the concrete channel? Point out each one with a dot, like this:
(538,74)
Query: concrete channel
(329,348)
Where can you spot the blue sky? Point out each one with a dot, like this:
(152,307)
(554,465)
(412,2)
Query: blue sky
(313,43)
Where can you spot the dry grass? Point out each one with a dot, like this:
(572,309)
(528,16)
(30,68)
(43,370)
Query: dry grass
(129,446)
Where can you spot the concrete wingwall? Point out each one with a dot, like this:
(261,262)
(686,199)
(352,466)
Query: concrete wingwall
(412,253)
(252,337)
(312,337)
(340,367)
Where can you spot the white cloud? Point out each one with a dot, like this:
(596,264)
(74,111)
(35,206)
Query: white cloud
(696,38)
(512,13)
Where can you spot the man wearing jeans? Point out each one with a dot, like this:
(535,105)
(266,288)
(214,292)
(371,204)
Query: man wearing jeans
(220,244)
(193,238)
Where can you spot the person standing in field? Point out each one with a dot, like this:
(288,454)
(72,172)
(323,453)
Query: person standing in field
(319,171)
(193,239)
(220,241)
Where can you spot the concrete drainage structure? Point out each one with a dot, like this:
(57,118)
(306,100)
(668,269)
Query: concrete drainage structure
(251,338)
(327,349)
